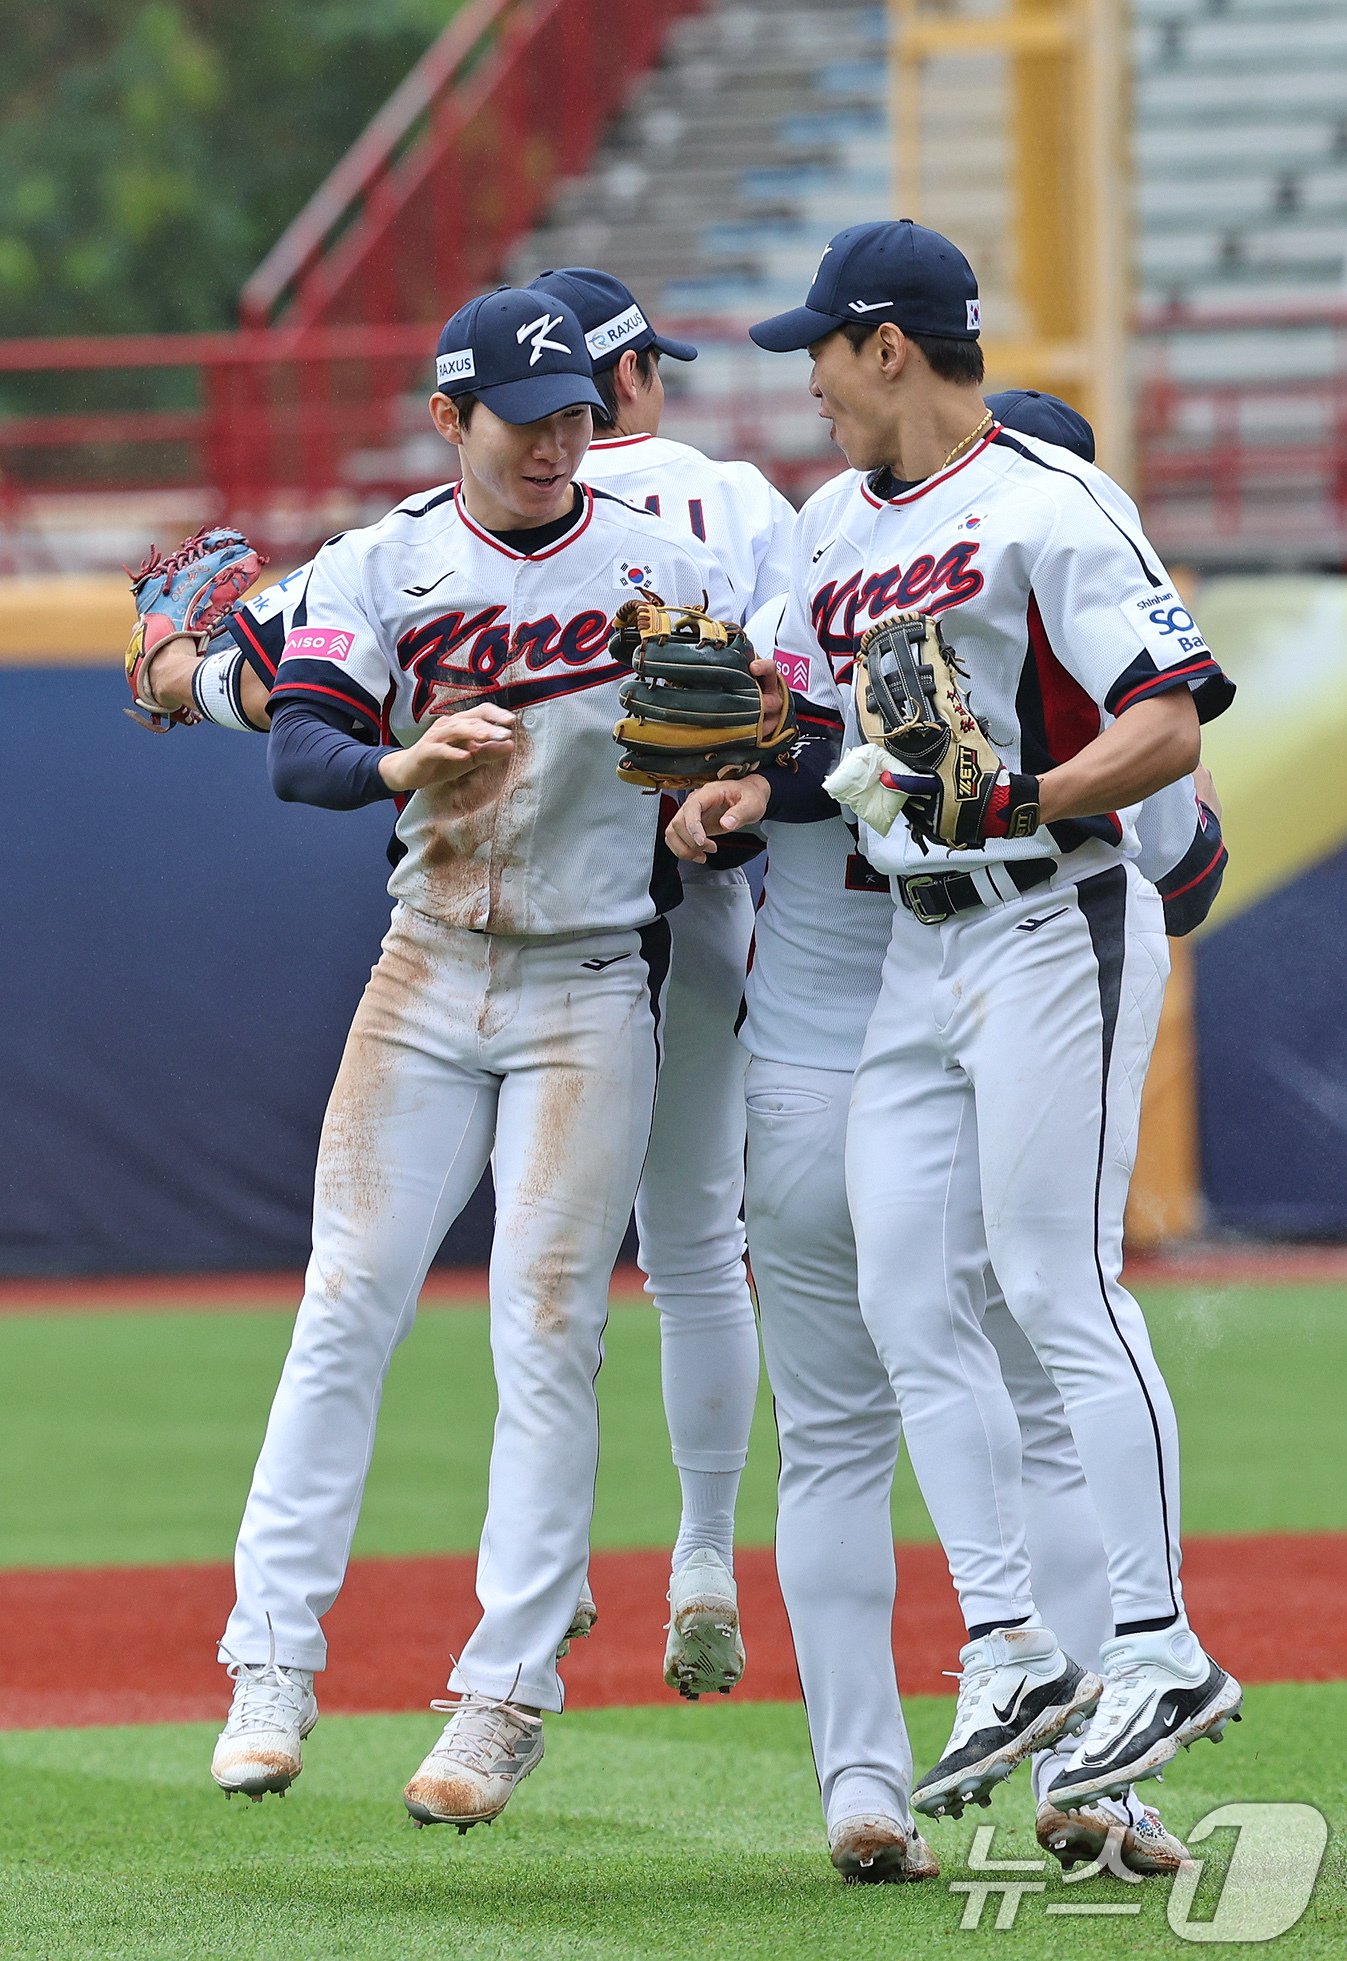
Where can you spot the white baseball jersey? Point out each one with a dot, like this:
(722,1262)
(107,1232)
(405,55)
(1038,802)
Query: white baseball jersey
(730,506)
(1056,604)
(424,613)
(812,987)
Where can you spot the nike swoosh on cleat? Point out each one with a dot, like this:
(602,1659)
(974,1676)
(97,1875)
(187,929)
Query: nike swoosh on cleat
(1012,1701)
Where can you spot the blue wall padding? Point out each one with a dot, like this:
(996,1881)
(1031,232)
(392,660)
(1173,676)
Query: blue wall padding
(1272,1045)
(183,954)
(182,958)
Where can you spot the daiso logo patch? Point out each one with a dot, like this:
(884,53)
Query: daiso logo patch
(317,643)
(795,667)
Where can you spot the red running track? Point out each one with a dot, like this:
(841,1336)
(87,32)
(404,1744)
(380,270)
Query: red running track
(136,1644)
(1190,1266)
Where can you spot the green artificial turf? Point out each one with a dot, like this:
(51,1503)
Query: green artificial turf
(131,1437)
(658,1832)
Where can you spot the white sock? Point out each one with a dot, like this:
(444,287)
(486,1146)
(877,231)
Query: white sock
(708,1515)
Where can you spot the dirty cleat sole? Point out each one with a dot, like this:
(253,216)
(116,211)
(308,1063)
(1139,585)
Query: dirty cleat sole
(705,1653)
(1077,1838)
(875,1851)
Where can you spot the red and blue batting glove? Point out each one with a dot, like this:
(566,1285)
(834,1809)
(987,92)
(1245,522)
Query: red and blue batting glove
(1005,806)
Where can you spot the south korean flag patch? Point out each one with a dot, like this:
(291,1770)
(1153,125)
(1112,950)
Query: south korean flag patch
(632,577)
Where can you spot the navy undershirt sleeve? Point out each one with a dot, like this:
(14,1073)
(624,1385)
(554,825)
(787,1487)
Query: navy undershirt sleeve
(319,754)
(797,796)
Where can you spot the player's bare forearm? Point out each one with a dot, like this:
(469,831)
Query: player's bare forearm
(1148,747)
(449,748)
(713,811)
(169,677)
(168,673)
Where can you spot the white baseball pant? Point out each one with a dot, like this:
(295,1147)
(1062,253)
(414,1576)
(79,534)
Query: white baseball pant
(838,1428)
(1000,1088)
(541,1055)
(691,1194)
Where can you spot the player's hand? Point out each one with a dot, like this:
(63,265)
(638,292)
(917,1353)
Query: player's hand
(1207,793)
(768,677)
(449,748)
(713,810)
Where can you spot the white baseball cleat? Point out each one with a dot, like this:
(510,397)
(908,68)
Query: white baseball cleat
(704,1652)
(582,1622)
(485,1750)
(870,1850)
(259,1748)
(1141,1842)
(1018,1693)
(1161,1694)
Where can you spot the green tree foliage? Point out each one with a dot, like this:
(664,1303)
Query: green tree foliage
(151,151)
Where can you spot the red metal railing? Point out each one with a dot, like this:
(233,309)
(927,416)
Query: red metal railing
(295,432)
(278,424)
(303,418)
(460,161)
(1242,434)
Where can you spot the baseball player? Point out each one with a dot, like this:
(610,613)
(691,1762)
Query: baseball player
(808,998)
(512,1015)
(688,1217)
(996,1103)
(688,1208)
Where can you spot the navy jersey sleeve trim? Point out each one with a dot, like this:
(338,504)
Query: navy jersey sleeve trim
(317,680)
(259,641)
(1189,891)
(1212,689)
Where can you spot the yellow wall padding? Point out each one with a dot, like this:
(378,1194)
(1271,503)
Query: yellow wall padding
(77,621)
(1278,753)
(1164,1203)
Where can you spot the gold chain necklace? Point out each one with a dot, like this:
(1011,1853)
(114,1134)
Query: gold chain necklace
(968,440)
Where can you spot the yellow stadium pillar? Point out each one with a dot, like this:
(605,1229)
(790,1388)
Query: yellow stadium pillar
(1069,217)
(1164,1204)
(1066,124)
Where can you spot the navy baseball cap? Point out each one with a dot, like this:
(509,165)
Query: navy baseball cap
(891,270)
(1046,416)
(609,313)
(521,353)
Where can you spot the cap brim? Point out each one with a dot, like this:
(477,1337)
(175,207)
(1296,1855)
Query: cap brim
(677,350)
(786,333)
(539,395)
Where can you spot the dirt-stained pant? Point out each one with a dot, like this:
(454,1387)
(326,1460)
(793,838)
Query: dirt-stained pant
(537,1054)
(838,1426)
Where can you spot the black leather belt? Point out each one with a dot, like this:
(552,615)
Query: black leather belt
(935,897)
